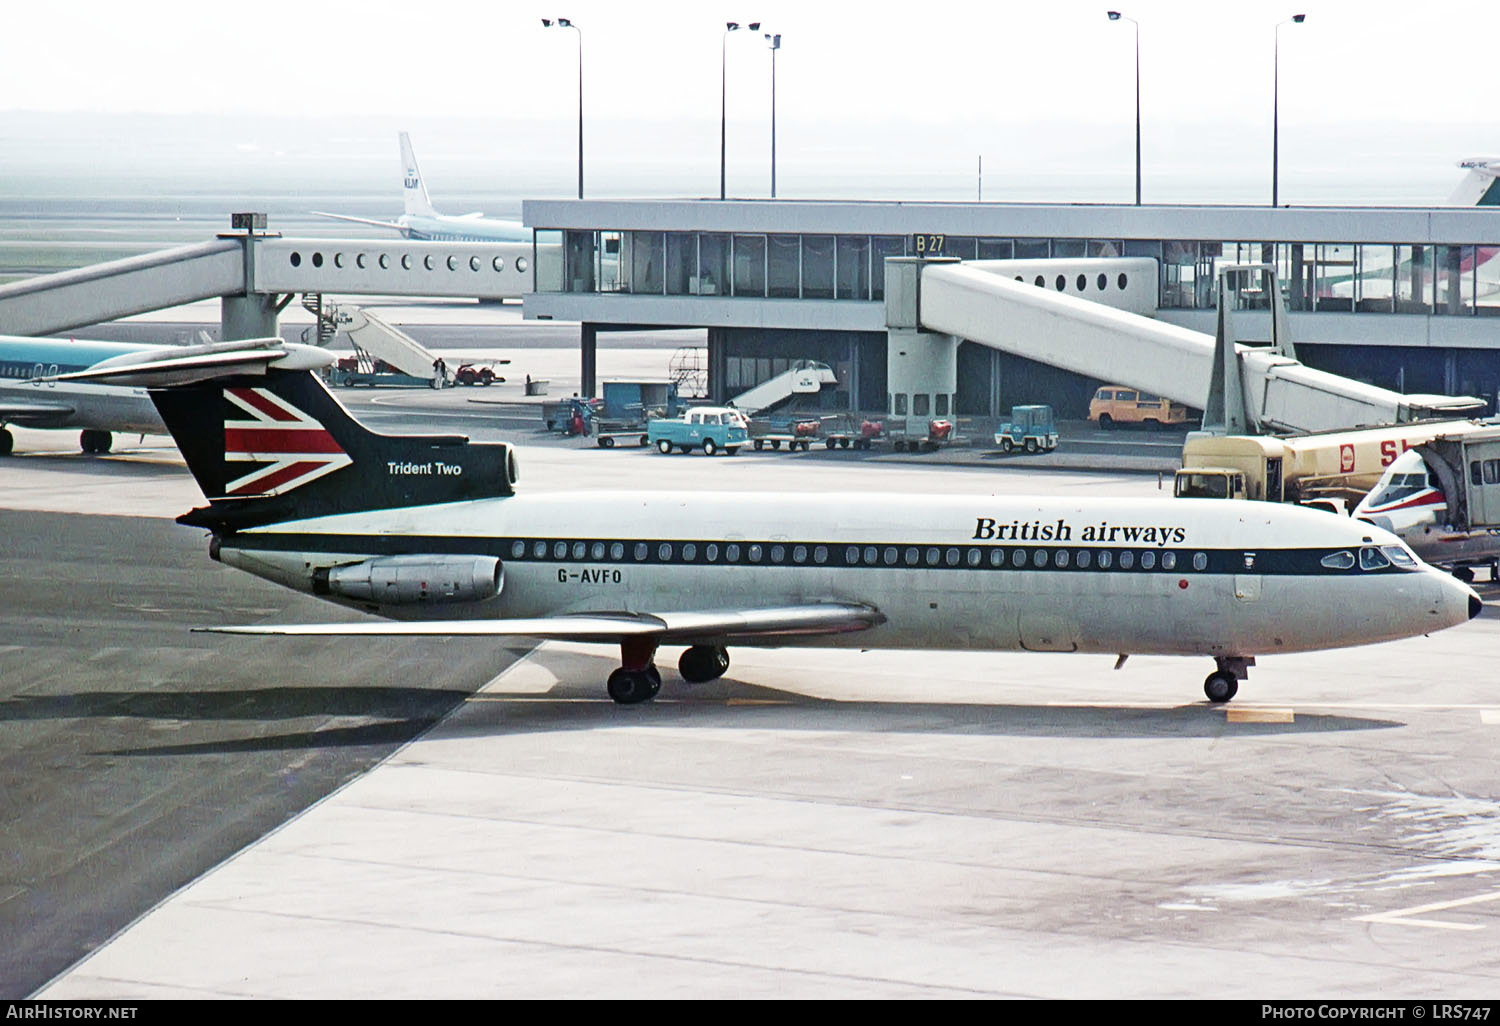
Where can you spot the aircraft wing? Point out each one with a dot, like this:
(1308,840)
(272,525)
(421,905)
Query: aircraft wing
(718,625)
(392,225)
(35,414)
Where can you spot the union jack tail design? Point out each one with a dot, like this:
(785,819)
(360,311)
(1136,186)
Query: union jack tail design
(278,446)
(288,447)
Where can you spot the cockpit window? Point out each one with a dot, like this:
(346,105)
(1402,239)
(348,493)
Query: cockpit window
(1343,560)
(1371,558)
(1399,556)
(1401,486)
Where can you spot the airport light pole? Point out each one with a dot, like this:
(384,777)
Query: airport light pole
(1117,16)
(1276,106)
(565,23)
(774,42)
(729,26)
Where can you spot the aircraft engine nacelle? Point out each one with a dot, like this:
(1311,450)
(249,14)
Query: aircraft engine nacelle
(413,580)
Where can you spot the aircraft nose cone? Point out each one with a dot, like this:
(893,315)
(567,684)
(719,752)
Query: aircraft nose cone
(1474,606)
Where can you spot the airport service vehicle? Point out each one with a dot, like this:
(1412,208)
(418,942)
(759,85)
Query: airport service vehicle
(430,532)
(710,428)
(476,374)
(351,372)
(1329,467)
(794,434)
(916,434)
(1029,427)
(573,416)
(629,406)
(1117,404)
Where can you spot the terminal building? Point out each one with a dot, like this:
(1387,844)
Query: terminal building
(1402,298)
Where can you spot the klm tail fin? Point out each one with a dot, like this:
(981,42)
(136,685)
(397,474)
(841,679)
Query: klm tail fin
(280,447)
(413,188)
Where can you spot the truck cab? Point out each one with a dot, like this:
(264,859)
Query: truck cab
(1209,483)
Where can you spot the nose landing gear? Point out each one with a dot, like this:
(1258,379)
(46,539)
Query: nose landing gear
(1224,683)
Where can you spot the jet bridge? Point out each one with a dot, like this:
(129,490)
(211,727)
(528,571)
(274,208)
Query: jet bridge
(930,304)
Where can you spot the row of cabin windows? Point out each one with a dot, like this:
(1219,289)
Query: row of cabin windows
(855,555)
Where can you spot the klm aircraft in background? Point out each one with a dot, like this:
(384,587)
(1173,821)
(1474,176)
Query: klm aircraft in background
(423,223)
(32,396)
(27,399)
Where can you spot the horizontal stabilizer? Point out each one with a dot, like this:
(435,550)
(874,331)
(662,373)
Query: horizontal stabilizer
(607,627)
(189,365)
(394,226)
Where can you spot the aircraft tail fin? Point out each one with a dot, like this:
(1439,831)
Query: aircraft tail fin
(413,188)
(1481,186)
(279,446)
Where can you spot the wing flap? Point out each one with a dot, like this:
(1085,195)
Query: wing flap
(721,625)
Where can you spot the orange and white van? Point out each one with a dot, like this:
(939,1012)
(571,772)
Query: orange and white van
(1116,404)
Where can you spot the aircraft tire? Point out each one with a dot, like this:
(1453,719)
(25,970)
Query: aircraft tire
(95,441)
(664,447)
(703,663)
(632,687)
(1220,686)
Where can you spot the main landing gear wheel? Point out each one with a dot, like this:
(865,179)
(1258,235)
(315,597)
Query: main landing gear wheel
(95,441)
(1220,686)
(631,687)
(703,663)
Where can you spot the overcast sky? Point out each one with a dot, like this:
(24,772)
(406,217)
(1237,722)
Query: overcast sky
(920,86)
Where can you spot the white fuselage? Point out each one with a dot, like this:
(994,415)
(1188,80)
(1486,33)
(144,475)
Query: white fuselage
(27,399)
(1408,502)
(1171,576)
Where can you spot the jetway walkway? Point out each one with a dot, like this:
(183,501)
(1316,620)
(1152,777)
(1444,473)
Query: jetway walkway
(984,301)
(256,273)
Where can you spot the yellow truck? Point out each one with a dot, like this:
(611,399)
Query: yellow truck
(1327,468)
